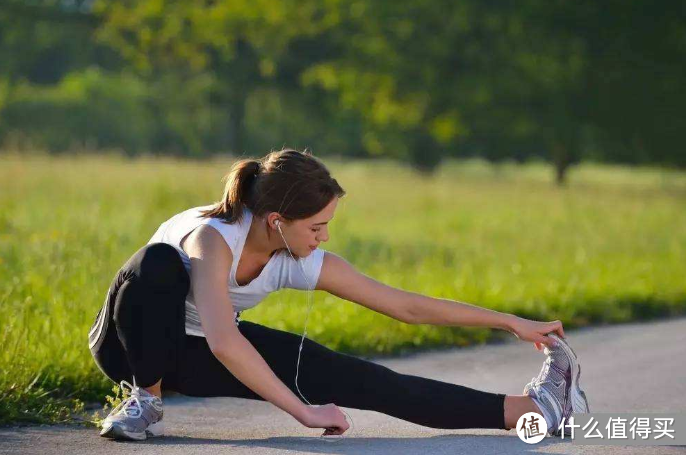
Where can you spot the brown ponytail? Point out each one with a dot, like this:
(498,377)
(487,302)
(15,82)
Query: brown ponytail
(295,184)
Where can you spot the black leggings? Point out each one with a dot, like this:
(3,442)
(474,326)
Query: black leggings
(140,331)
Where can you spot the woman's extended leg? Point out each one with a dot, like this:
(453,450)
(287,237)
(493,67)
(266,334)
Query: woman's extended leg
(327,376)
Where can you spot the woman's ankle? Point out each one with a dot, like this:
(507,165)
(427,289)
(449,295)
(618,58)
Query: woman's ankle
(516,406)
(155,389)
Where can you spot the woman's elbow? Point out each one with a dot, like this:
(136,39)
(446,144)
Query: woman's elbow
(223,346)
(221,351)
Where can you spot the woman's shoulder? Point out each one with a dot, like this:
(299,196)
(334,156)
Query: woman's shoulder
(230,232)
(205,236)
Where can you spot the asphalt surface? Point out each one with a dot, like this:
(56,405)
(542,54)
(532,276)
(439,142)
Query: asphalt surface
(626,368)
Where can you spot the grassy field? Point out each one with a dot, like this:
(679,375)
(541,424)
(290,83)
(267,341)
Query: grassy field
(608,248)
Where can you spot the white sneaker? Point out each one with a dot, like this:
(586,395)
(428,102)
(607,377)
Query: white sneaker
(136,418)
(556,390)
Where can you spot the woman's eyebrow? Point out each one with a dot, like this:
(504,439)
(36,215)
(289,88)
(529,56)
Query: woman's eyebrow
(323,222)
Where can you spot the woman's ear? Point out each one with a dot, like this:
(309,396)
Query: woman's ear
(273,220)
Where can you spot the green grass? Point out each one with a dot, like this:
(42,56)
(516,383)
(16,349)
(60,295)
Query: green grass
(608,248)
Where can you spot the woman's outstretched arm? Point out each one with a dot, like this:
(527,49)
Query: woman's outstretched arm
(341,279)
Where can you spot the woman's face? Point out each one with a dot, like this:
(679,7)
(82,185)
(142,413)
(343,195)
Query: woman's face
(305,235)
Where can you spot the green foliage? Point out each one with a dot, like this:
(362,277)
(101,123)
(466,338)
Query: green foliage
(89,108)
(27,395)
(97,416)
(94,109)
(415,81)
(609,248)
(42,40)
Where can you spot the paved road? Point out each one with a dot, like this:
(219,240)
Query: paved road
(631,368)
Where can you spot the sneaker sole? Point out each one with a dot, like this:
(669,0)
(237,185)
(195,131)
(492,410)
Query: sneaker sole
(114,431)
(578,397)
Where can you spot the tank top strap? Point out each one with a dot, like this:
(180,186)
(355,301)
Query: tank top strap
(233,234)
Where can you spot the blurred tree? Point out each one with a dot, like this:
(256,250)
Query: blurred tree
(42,40)
(87,108)
(637,80)
(242,42)
(512,80)
(417,80)
(437,78)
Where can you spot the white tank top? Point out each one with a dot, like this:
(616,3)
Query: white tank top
(280,272)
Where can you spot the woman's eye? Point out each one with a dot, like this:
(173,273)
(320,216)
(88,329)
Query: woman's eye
(316,230)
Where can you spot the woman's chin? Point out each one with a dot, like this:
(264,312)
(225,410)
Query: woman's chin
(300,254)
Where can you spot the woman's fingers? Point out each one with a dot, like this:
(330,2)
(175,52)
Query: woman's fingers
(546,340)
(332,431)
(557,328)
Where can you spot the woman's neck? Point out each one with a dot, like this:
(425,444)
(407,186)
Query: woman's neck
(258,243)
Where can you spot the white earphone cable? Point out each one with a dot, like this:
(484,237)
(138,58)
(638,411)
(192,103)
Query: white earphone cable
(309,301)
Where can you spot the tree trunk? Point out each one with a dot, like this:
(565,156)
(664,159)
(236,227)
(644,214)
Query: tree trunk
(561,160)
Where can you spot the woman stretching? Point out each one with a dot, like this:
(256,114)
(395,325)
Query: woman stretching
(170,320)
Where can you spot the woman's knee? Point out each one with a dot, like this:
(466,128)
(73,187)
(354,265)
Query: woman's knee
(159,265)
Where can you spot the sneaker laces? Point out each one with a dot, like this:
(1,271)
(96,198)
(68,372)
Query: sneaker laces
(538,380)
(132,405)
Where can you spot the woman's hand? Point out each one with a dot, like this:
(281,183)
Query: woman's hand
(534,331)
(326,416)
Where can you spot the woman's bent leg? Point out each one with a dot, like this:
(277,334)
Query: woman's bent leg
(143,317)
(327,376)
